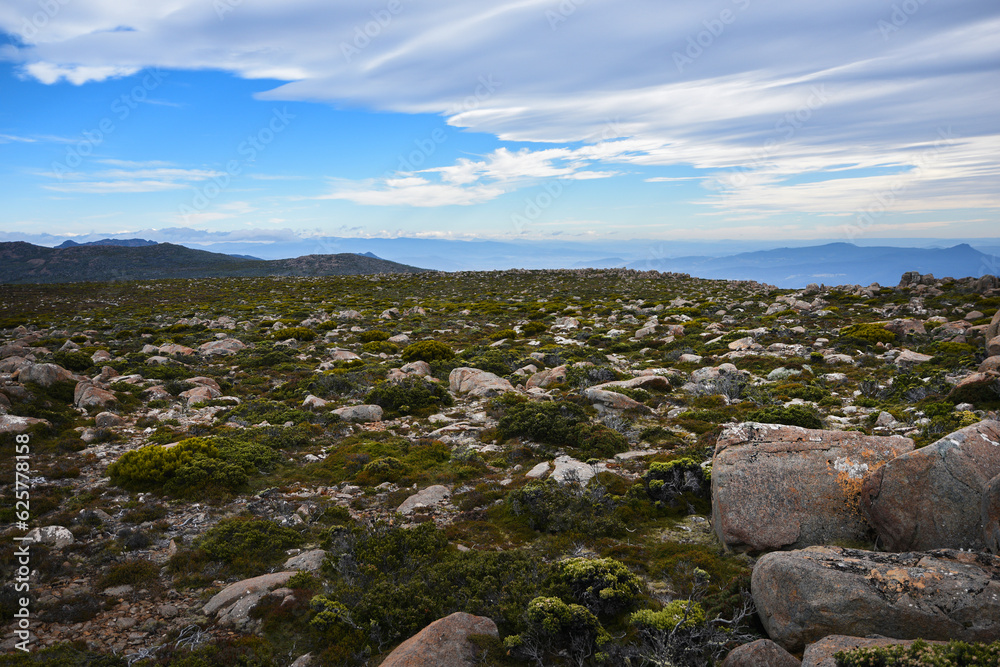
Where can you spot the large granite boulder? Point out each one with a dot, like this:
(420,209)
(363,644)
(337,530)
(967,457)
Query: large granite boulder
(549,376)
(231,606)
(803,596)
(16,424)
(477,383)
(87,395)
(443,643)
(778,487)
(993,328)
(45,375)
(360,413)
(930,498)
(990,515)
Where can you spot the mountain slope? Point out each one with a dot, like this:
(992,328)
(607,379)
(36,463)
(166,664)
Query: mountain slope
(26,263)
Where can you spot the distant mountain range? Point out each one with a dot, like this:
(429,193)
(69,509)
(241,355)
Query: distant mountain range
(832,264)
(22,263)
(124,243)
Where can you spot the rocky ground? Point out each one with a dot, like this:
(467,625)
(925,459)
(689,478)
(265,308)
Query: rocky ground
(268,468)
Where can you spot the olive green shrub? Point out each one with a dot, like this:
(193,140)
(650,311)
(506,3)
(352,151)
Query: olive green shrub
(427,350)
(602,585)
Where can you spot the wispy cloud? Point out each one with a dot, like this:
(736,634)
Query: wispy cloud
(130,177)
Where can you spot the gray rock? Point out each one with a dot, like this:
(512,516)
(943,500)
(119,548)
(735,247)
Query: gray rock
(432,495)
(911,358)
(16,424)
(568,469)
(777,487)
(549,376)
(538,471)
(313,402)
(108,420)
(477,383)
(90,396)
(803,596)
(54,536)
(233,593)
(360,413)
(45,375)
(993,328)
(304,660)
(990,515)
(307,561)
(421,368)
(930,498)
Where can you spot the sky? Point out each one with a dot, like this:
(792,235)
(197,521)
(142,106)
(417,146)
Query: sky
(582,120)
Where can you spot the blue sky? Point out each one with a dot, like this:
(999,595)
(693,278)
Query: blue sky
(583,120)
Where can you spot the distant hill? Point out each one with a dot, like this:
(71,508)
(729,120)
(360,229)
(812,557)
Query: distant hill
(22,263)
(831,264)
(124,243)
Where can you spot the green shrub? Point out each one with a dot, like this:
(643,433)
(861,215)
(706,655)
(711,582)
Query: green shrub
(534,328)
(667,481)
(678,614)
(298,333)
(135,573)
(427,350)
(373,336)
(869,333)
(493,361)
(385,469)
(550,507)
(247,544)
(552,422)
(793,415)
(598,440)
(74,361)
(920,654)
(503,333)
(380,347)
(602,585)
(558,628)
(150,468)
(408,395)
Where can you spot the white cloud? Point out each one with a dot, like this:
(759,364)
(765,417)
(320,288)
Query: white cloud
(780,91)
(131,177)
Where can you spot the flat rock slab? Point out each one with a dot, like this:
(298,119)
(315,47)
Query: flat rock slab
(803,596)
(820,654)
(443,643)
(432,495)
(776,487)
(931,498)
(360,413)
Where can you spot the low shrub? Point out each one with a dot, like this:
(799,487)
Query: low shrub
(667,481)
(868,333)
(380,347)
(298,333)
(427,350)
(408,395)
(920,654)
(555,627)
(247,544)
(793,415)
(373,336)
(602,585)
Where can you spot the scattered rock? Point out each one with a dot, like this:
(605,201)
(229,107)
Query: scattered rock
(45,375)
(313,402)
(568,469)
(443,643)
(91,396)
(307,561)
(549,376)
(930,498)
(538,471)
(108,420)
(360,413)
(343,355)
(15,424)
(432,495)
(54,536)
(476,382)
(990,515)
(217,348)
(803,596)
(776,486)
(232,604)
(911,358)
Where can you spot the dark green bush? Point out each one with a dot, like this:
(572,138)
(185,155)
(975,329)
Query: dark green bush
(549,422)
(534,328)
(667,481)
(427,350)
(602,585)
(74,361)
(380,347)
(493,361)
(793,415)
(408,395)
(150,468)
(557,628)
(247,544)
(868,333)
(550,507)
(373,336)
(298,333)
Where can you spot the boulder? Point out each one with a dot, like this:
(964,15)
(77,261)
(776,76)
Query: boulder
(200,394)
(88,395)
(45,375)
(205,382)
(432,495)
(477,383)
(803,596)
(313,402)
(930,498)
(343,355)
(612,400)
(911,358)
(990,364)
(100,356)
(233,603)
(360,413)
(54,536)
(307,561)
(13,364)
(108,420)
(820,654)
(993,346)
(549,376)
(761,653)
(640,382)
(216,348)
(989,515)
(993,328)
(568,469)
(906,327)
(421,368)
(175,348)
(15,424)
(443,643)
(776,486)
